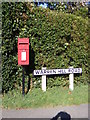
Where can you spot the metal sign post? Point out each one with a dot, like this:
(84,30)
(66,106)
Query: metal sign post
(23,83)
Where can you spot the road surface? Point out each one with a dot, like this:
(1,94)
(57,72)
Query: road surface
(75,111)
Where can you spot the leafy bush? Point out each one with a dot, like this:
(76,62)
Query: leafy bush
(57,40)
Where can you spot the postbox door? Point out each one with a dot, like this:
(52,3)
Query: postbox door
(23,51)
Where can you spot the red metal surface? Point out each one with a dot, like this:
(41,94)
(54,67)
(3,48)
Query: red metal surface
(23,51)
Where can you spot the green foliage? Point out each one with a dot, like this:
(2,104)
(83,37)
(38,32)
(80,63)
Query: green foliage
(81,11)
(11,25)
(57,40)
(73,8)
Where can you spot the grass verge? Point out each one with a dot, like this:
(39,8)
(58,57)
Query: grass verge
(52,97)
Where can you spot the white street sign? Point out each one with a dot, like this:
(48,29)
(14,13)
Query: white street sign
(57,71)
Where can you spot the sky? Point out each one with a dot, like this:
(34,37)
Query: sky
(43,5)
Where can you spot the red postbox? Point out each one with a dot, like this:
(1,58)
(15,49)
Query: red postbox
(23,51)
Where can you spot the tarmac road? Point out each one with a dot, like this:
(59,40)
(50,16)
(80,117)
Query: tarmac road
(0,113)
(75,111)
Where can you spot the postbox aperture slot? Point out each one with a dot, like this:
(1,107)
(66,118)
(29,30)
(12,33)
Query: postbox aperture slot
(23,43)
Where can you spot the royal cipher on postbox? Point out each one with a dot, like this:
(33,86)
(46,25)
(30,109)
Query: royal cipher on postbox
(23,51)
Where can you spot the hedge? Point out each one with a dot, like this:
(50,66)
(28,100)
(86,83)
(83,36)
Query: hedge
(57,40)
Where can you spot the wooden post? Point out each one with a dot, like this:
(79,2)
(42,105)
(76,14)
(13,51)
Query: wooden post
(44,80)
(71,81)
